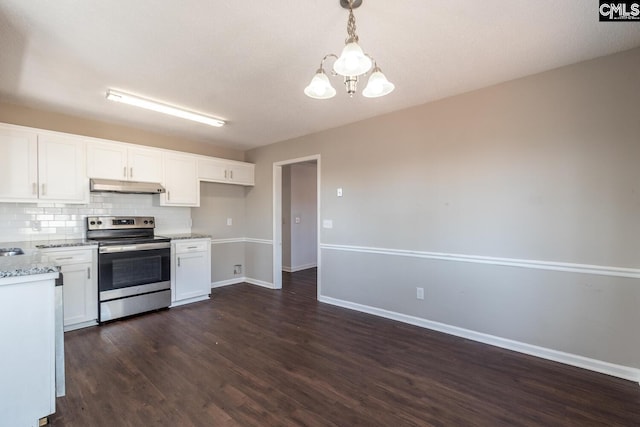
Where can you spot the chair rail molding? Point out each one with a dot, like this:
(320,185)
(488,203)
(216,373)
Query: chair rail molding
(600,270)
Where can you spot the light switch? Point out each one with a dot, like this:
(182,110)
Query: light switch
(327,223)
(339,192)
(229,221)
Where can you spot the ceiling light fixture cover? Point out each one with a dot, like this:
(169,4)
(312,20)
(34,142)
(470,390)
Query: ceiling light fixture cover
(352,64)
(114,95)
(320,86)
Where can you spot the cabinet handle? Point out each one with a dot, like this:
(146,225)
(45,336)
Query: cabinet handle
(124,171)
(35,188)
(88,272)
(168,195)
(44,189)
(192,247)
(131,172)
(231,174)
(178,261)
(64,258)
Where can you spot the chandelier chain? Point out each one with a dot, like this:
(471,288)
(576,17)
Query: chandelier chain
(351,25)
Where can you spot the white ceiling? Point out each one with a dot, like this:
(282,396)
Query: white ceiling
(248,62)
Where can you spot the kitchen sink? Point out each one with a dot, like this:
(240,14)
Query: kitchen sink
(11,251)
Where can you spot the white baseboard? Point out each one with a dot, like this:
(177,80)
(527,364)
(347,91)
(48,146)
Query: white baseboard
(189,301)
(257,282)
(298,268)
(625,372)
(228,282)
(237,280)
(80,325)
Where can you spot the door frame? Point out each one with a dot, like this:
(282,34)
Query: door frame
(277,216)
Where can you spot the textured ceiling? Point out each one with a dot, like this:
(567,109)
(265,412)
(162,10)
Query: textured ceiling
(248,62)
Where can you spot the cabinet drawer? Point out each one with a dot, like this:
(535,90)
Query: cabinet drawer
(69,257)
(192,246)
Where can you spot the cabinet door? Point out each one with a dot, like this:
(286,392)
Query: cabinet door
(18,165)
(241,174)
(212,170)
(107,161)
(80,295)
(181,181)
(62,169)
(145,165)
(193,276)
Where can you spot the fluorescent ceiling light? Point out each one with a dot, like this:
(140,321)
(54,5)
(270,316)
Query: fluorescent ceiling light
(126,98)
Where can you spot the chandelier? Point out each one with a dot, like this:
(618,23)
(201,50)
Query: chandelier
(352,64)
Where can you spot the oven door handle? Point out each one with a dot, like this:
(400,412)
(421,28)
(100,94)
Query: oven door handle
(131,248)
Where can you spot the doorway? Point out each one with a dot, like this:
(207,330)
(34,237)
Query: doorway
(296,217)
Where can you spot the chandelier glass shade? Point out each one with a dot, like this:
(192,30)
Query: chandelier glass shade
(320,86)
(378,85)
(353,63)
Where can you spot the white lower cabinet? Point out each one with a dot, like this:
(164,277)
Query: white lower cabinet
(191,271)
(80,290)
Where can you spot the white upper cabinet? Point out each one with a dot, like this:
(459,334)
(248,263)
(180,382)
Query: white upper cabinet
(121,162)
(18,165)
(180,181)
(62,169)
(107,161)
(39,165)
(226,171)
(145,165)
(212,170)
(36,166)
(241,173)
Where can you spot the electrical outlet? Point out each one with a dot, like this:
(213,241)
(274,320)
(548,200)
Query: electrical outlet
(420,293)
(229,221)
(237,269)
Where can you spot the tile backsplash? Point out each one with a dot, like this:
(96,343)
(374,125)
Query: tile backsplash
(55,221)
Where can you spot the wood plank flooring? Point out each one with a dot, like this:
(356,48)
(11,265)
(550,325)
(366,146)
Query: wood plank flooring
(258,357)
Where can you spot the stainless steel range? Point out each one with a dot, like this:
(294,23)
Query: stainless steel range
(134,266)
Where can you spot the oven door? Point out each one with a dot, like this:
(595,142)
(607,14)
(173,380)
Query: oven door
(131,275)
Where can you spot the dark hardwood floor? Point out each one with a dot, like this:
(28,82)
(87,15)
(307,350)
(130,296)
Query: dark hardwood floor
(258,357)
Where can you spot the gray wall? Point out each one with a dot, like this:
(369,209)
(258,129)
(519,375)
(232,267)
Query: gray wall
(299,200)
(286,218)
(480,199)
(217,203)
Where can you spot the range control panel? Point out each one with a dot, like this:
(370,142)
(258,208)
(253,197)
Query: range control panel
(119,222)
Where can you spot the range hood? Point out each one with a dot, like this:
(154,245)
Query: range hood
(114,186)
